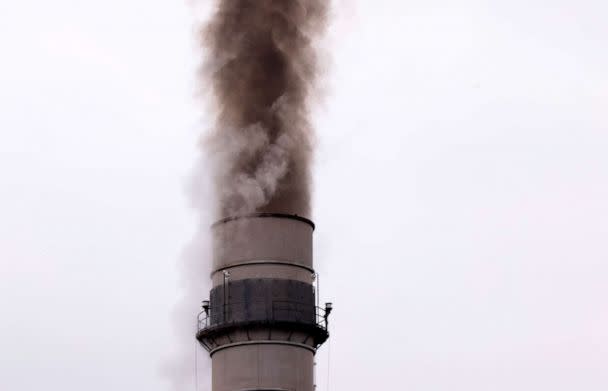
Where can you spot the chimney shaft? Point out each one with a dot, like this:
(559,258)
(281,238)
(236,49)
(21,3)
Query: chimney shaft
(263,327)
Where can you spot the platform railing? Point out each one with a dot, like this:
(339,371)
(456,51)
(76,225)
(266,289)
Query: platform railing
(279,311)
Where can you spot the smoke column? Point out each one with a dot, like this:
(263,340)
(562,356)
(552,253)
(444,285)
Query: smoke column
(262,66)
(259,72)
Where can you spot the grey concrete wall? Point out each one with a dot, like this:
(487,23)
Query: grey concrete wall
(264,366)
(262,239)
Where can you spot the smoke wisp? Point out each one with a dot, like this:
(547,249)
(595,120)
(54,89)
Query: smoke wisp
(262,66)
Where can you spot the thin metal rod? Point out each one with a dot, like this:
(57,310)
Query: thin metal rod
(225,300)
(318,288)
(195,367)
(328,363)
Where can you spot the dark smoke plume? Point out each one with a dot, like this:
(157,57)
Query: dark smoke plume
(262,65)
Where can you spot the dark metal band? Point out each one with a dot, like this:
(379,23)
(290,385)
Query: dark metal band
(262,299)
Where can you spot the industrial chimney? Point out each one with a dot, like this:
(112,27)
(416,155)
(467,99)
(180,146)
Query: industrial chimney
(262,324)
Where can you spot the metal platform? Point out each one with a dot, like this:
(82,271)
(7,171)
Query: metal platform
(271,310)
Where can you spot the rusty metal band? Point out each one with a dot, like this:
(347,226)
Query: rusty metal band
(248,263)
(262,215)
(245,343)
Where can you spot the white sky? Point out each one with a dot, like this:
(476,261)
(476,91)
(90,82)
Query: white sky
(461,188)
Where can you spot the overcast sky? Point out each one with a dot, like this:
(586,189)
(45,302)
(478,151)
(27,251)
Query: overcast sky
(461,192)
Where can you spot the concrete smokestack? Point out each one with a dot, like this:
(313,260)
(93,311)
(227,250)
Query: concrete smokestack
(262,325)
